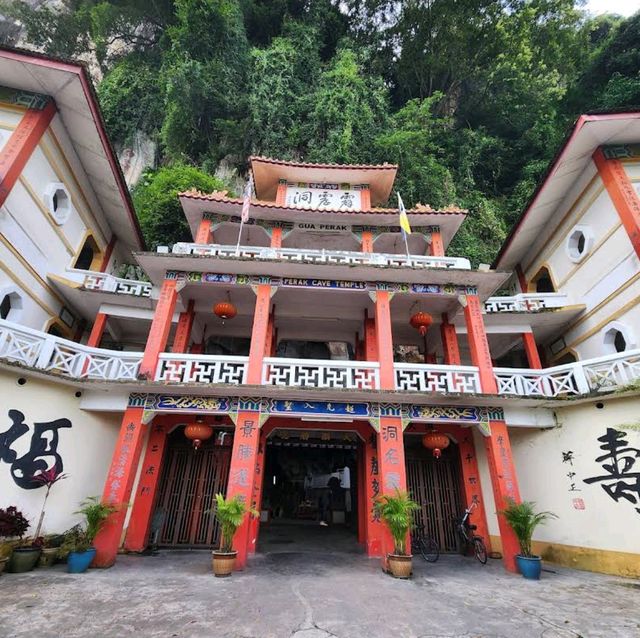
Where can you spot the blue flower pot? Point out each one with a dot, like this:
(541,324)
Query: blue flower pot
(529,567)
(78,562)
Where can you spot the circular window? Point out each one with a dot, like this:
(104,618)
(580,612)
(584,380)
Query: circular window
(618,338)
(58,202)
(579,243)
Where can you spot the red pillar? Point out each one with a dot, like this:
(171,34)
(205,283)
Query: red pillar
(522,280)
(450,347)
(362,494)
(160,327)
(258,484)
(505,486)
(97,330)
(365,201)
(276,238)
(117,489)
(20,146)
(478,344)
(203,236)
(137,536)
(436,248)
(242,477)
(472,487)
(183,331)
(384,340)
(367,241)
(373,526)
(622,194)
(259,334)
(106,258)
(281,194)
(533,357)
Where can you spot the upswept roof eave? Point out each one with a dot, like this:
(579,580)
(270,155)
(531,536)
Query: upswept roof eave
(281,162)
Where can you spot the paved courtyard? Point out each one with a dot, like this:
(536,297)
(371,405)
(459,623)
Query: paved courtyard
(314,595)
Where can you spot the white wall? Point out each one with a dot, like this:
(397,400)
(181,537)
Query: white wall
(543,476)
(86,448)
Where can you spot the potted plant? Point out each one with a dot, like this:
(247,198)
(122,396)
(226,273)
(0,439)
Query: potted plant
(50,548)
(24,554)
(78,541)
(395,511)
(523,519)
(47,478)
(230,513)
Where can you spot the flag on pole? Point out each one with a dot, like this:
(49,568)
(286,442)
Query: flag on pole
(404,220)
(246,199)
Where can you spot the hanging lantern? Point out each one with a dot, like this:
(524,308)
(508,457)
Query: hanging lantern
(435,442)
(421,322)
(198,432)
(225,310)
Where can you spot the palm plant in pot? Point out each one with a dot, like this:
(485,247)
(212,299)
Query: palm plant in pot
(523,520)
(22,554)
(230,513)
(396,512)
(78,543)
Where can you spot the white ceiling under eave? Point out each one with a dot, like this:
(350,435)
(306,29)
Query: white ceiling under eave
(572,169)
(76,121)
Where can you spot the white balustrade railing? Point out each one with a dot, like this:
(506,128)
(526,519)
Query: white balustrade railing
(108,283)
(53,354)
(201,368)
(41,351)
(317,373)
(416,377)
(526,302)
(313,256)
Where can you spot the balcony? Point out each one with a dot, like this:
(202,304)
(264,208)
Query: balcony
(43,352)
(530,302)
(312,256)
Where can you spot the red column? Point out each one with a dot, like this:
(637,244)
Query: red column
(242,477)
(505,486)
(259,334)
(370,345)
(19,147)
(478,344)
(97,330)
(373,527)
(203,236)
(117,489)
(276,238)
(367,241)
(384,340)
(472,487)
(522,280)
(622,194)
(281,194)
(160,327)
(533,357)
(450,347)
(365,201)
(258,484)
(183,331)
(137,536)
(362,494)
(107,254)
(436,248)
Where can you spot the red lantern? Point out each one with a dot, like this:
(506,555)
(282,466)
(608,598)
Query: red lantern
(421,322)
(435,442)
(225,310)
(198,432)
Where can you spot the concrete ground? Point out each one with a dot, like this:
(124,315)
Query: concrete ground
(285,594)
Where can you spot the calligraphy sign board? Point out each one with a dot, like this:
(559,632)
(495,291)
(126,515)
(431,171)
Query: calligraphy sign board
(319,196)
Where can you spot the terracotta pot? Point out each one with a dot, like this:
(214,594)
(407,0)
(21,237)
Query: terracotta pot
(399,566)
(3,564)
(223,563)
(48,557)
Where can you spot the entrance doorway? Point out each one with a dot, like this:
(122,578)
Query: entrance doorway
(190,480)
(435,484)
(309,497)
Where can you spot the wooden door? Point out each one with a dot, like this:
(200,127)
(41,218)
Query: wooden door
(435,485)
(191,478)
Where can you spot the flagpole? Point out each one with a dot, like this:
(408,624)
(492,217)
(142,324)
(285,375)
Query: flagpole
(406,245)
(239,236)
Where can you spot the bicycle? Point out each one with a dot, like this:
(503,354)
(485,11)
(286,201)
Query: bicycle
(466,537)
(425,544)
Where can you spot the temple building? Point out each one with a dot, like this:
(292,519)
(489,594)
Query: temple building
(319,359)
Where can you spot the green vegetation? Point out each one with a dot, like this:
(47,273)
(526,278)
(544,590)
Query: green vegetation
(470,98)
(396,513)
(523,520)
(230,513)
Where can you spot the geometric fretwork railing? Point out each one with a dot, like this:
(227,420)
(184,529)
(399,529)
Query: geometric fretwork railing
(201,368)
(314,373)
(416,377)
(109,283)
(528,302)
(41,351)
(314,256)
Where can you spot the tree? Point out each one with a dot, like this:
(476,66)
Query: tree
(156,201)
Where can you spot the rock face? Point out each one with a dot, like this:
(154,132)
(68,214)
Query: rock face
(138,156)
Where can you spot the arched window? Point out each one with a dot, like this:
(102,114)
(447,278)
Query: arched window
(89,257)
(617,337)
(542,282)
